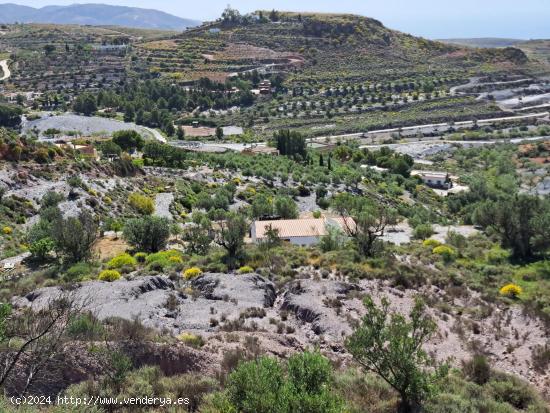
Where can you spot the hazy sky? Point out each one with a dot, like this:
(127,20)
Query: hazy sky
(429,18)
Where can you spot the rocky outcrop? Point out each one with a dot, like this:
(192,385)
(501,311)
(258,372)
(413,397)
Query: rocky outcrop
(318,304)
(156,303)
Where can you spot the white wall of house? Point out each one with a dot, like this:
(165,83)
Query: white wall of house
(304,241)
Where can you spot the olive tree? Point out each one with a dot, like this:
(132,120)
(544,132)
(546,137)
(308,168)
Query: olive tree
(364,221)
(74,236)
(391,346)
(148,233)
(230,235)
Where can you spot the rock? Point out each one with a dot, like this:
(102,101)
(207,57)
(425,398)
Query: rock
(146,298)
(311,300)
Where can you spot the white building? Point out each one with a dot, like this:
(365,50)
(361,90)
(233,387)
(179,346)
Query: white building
(435,179)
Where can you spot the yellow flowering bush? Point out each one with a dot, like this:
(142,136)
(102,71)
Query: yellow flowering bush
(175,259)
(445,251)
(431,243)
(191,339)
(246,270)
(164,259)
(192,273)
(7,230)
(109,275)
(123,260)
(511,290)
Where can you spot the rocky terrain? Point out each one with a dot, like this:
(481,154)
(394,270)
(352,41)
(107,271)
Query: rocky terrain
(316,309)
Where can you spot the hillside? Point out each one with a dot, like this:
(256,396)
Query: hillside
(95,15)
(332,46)
(272,213)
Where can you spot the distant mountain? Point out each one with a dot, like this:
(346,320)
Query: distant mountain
(483,42)
(95,15)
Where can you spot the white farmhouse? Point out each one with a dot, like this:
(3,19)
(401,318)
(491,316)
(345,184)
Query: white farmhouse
(305,232)
(435,179)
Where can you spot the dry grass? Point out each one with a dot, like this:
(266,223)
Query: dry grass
(108,247)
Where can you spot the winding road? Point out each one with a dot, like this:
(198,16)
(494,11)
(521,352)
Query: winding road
(5,70)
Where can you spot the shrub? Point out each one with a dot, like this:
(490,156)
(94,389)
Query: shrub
(423,231)
(109,275)
(497,255)
(246,270)
(537,271)
(141,203)
(511,290)
(140,257)
(79,271)
(541,358)
(175,259)
(120,261)
(74,236)
(84,326)
(164,259)
(299,385)
(432,243)
(477,369)
(148,233)
(41,248)
(192,340)
(7,230)
(389,344)
(445,251)
(192,273)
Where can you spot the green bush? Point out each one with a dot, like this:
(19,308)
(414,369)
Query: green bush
(423,231)
(84,326)
(192,340)
(109,275)
(445,251)
(497,255)
(246,270)
(123,260)
(140,257)
(164,259)
(79,271)
(141,203)
(40,249)
(149,234)
(265,385)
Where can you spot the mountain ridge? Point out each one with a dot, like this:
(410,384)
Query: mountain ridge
(94,14)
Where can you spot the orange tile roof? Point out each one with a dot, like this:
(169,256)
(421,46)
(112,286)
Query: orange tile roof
(305,227)
(288,228)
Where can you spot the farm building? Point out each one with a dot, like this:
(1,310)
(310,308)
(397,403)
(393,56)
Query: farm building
(435,179)
(308,231)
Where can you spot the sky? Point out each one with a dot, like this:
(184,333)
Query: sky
(434,19)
